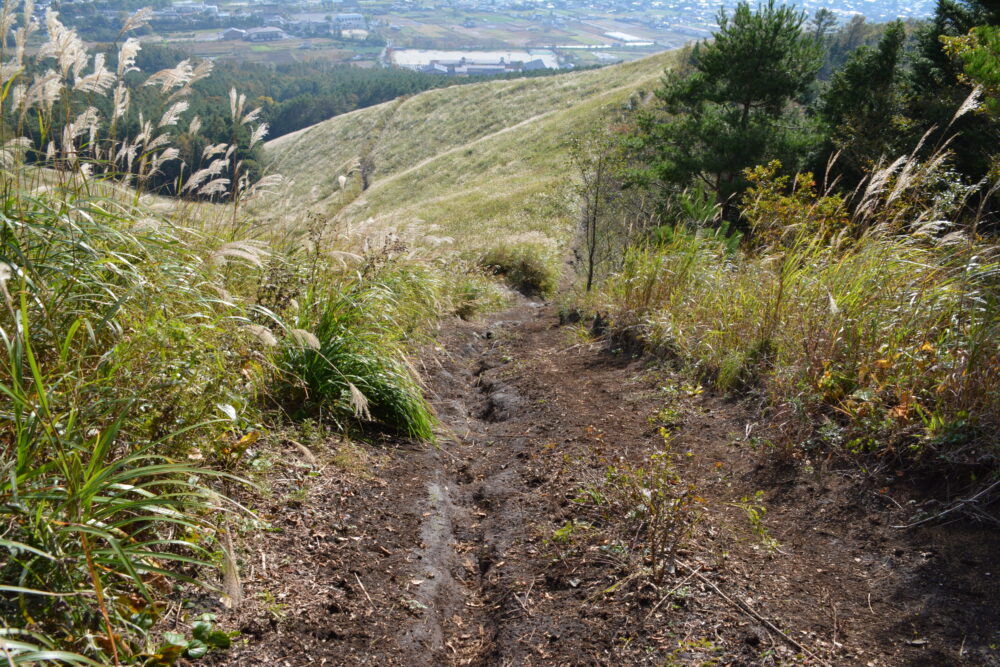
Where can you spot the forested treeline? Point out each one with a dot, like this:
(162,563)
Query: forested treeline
(302,94)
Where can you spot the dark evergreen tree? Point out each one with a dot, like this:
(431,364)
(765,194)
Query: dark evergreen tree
(823,22)
(732,106)
(839,45)
(863,104)
(938,91)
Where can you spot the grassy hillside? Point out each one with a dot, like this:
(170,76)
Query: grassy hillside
(479,162)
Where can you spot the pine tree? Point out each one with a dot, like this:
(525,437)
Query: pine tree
(863,103)
(938,89)
(731,108)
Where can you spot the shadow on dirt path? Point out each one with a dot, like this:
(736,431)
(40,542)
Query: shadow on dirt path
(407,554)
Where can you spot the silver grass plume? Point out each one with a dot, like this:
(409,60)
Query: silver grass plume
(304,338)
(145,130)
(127,53)
(99,81)
(29,26)
(43,92)
(194,126)
(236,103)
(7,18)
(13,152)
(359,402)
(258,134)
(163,157)
(262,333)
(173,113)
(172,77)
(833,307)
(243,182)
(64,45)
(876,184)
(200,71)
(17,96)
(248,251)
(8,71)
(28,11)
(138,20)
(265,185)
(197,178)
(213,149)
(84,122)
(970,104)
(127,154)
(219,186)
(157,142)
(120,102)
(250,117)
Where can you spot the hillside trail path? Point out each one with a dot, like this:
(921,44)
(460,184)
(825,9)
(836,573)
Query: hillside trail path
(407,554)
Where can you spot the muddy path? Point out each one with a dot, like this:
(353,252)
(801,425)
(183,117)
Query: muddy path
(479,552)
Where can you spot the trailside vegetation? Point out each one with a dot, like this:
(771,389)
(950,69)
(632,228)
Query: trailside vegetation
(848,273)
(729,107)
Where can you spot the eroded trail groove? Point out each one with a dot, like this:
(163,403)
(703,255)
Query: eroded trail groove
(476,552)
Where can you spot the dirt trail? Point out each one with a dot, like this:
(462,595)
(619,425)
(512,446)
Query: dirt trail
(405,554)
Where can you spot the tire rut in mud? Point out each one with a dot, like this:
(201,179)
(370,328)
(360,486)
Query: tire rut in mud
(467,520)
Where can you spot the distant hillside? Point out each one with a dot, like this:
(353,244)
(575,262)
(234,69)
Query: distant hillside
(480,162)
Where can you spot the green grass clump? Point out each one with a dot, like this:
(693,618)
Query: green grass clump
(474,293)
(355,371)
(116,354)
(531,267)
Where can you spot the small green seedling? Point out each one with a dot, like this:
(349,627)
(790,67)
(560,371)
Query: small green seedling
(204,637)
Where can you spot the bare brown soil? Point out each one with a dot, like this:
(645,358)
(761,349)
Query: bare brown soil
(409,554)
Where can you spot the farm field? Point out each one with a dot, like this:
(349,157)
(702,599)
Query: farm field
(565,31)
(284,51)
(421,29)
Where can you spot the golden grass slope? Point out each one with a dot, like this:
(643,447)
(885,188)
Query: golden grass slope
(479,163)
